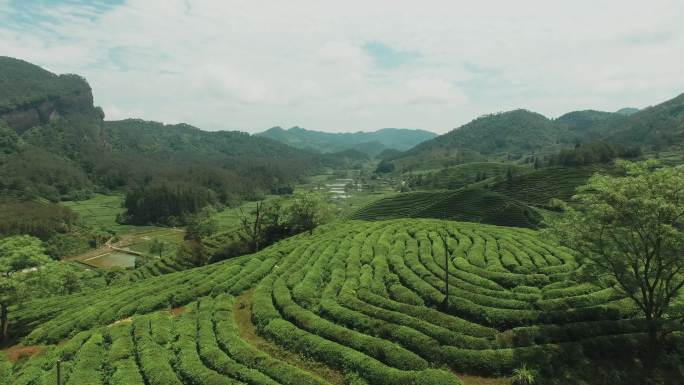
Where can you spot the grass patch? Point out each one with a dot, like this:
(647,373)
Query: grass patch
(476,380)
(100,212)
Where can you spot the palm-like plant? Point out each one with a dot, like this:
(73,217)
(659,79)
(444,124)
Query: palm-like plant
(522,376)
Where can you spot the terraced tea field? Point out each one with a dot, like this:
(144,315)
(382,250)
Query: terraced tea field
(357,302)
(473,205)
(538,187)
(461,175)
(401,205)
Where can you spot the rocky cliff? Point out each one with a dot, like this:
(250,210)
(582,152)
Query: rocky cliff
(32,96)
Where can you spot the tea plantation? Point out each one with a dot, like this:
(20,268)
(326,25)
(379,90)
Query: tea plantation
(472,205)
(366,300)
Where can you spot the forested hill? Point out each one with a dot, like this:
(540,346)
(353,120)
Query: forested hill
(371,143)
(23,84)
(521,132)
(660,126)
(508,131)
(518,131)
(55,144)
(153,137)
(583,124)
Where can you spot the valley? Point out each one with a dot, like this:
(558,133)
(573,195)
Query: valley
(513,247)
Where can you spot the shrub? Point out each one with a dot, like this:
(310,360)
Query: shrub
(523,376)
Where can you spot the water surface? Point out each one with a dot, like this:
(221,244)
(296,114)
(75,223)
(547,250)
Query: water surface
(113,259)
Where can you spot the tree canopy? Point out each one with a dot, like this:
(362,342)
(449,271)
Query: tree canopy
(307,211)
(165,204)
(21,252)
(629,231)
(17,254)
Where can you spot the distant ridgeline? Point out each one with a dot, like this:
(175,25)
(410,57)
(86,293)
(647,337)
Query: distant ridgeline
(370,143)
(54,144)
(512,168)
(522,132)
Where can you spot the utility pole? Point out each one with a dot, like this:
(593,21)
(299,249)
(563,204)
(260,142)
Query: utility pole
(59,372)
(444,237)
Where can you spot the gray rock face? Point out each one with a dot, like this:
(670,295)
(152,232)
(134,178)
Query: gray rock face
(45,111)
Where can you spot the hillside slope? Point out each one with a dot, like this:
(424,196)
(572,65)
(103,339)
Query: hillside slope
(522,132)
(148,137)
(586,125)
(518,130)
(538,187)
(495,199)
(28,92)
(661,126)
(472,205)
(55,144)
(367,298)
(371,143)
(462,175)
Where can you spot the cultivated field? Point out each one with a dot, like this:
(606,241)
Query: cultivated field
(101,211)
(357,302)
(538,187)
(474,205)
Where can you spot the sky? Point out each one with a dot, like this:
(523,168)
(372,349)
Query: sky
(341,66)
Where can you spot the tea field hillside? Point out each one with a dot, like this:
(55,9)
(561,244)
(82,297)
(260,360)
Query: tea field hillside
(355,302)
(472,204)
(461,175)
(521,200)
(537,188)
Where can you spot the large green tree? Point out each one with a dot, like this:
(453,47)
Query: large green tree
(629,231)
(306,211)
(157,247)
(18,255)
(201,225)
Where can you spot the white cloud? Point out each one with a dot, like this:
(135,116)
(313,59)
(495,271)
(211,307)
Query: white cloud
(433,90)
(253,64)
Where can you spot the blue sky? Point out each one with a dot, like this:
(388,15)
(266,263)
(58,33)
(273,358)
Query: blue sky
(387,58)
(28,15)
(353,65)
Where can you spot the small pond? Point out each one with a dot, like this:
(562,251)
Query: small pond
(113,259)
(338,188)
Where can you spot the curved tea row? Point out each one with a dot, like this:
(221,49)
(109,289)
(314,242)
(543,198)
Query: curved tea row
(366,299)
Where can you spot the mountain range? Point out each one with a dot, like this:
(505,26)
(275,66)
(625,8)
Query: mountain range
(55,144)
(522,132)
(371,143)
